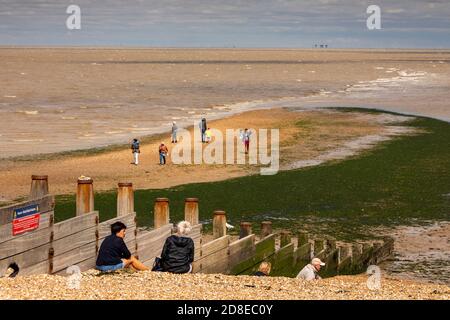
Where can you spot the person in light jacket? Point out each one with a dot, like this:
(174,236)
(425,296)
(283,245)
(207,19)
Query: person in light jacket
(174,132)
(311,271)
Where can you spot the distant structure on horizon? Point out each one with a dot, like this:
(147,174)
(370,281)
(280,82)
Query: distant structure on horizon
(321,46)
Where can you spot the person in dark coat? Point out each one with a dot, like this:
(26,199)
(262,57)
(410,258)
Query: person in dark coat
(135,150)
(203,127)
(178,251)
(264,269)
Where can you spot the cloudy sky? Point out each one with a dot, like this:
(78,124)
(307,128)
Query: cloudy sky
(227,23)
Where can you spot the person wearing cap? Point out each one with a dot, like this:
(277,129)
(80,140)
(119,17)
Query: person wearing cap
(174,132)
(311,270)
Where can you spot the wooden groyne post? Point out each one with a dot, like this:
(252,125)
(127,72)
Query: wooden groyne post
(266,228)
(191,212)
(39,186)
(245,230)
(85,196)
(125,198)
(161,212)
(285,238)
(219,224)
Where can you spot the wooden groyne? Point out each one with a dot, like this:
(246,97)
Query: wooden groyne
(30,238)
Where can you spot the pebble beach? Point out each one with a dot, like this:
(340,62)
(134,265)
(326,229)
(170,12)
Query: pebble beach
(164,286)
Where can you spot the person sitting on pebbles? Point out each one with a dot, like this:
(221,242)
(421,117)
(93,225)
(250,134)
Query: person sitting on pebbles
(178,252)
(114,254)
(264,269)
(311,271)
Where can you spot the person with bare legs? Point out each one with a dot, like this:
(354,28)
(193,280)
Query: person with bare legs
(114,254)
(246,139)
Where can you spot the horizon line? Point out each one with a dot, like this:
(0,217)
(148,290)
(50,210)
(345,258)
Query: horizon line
(125,47)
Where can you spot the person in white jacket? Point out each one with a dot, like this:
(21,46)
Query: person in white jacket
(311,270)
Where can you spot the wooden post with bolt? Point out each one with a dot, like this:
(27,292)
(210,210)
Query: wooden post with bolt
(266,228)
(125,199)
(191,212)
(303,238)
(219,224)
(246,229)
(85,196)
(161,212)
(39,186)
(285,238)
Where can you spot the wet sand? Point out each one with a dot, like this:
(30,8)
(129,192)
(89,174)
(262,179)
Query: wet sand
(421,252)
(322,135)
(55,99)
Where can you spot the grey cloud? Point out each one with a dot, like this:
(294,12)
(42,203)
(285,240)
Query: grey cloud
(270,22)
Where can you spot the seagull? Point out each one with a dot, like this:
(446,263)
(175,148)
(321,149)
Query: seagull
(229,226)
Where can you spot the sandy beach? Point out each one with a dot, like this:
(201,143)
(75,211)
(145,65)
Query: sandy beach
(323,135)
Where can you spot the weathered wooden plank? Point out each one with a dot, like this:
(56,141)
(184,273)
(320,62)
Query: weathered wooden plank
(27,258)
(74,225)
(46,204)
(145,236)
(283,260)
(152,250)
(196,230)
(74,241)
(73,257)
(303,253)
(215,245)
(242,244)
(214,262)
(150,243)
(241,250)
(83,265)
(25,242)
(264,249)
(6,229)
(104,228)
(39,268)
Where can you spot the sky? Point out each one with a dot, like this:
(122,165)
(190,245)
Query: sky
(227,23)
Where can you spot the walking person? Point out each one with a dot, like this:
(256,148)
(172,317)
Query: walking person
(174,132)
(178,251)
(203,127)
(246,139)
(136,150)
(163,151)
